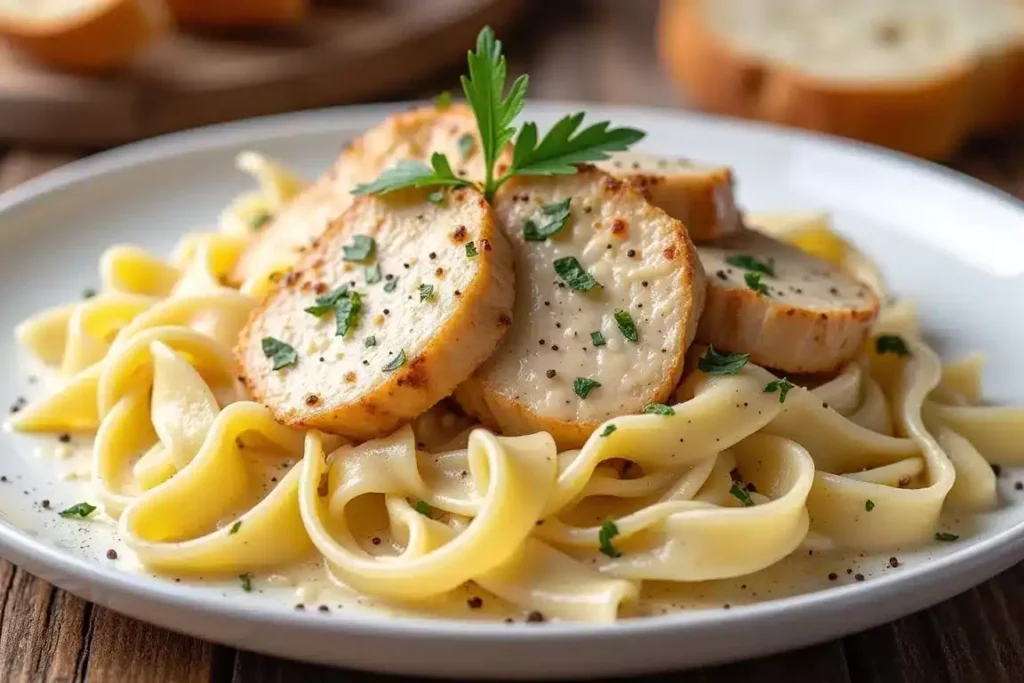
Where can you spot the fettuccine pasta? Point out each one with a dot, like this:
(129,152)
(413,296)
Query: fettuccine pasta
(728,482)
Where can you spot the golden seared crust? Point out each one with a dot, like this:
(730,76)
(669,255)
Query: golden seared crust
(106,35)
(811,317)
(645,265)
(352,385)
(926,114)
(700,195)
(413,135)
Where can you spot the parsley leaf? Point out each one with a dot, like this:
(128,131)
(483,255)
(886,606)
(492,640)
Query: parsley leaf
(608,531)
(409,173)
(597,339)
(81,510)
(470,250)
(435,197)
(246,580)
(373,275)
(659,409)
(626,325)
(891,343)
(390,285)
(443,99)
(426,292)
(869,505)
(753,280)
(946,538)
(235,527)
(327,302)
(584,385)
(751,263)
(346,307)
(370,341)
(423,508)
(465,145)
(742,494)
(494,110)
(570,270)
(607,431)
(396,362)
(715,363)
(260,220)
(563,147)
(557,214)
(780,385)
(282,354)
(88,293)
(361,249)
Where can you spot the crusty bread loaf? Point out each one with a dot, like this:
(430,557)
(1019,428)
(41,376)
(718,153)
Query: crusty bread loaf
(82,35)
(913,75)
(239,12)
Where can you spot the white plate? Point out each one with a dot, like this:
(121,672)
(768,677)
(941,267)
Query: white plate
(954,245)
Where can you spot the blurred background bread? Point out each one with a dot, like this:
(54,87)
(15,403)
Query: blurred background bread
(915,75)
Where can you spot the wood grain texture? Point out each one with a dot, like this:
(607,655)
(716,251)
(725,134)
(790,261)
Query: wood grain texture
(595,50)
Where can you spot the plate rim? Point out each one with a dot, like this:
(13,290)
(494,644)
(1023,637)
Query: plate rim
(981,559)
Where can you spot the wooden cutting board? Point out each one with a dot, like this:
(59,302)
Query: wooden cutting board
(358,50)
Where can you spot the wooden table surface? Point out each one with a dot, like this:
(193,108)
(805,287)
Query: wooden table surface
(600,50)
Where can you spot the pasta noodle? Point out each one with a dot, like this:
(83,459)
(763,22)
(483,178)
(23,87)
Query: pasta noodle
(731,482)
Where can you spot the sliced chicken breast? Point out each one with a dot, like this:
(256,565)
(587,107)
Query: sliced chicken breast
(608,294)
(789,310)
(700,195)
(399,301)
(413,135)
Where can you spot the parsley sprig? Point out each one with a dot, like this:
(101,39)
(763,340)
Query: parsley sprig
(495,109)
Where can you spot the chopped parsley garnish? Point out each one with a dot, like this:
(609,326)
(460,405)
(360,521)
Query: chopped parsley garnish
(370,341)
(81,510)
(346,306)
(780,385)
(282,354)
(555,214)
(741,494)
(584,385)
(426,292)
(423,508)
(88,293)
(260,220)
(891,343)
(443,99)
(557,153)
(373,274)
(607,431)
(715,363)
(946,538)
(597,339)
(608,531)
(465,145)
(570,270)
(396,362)
(235,527)
(869,505)
(659,409)
(751,263)
(390,285)
(753,281)
(435,197)
(470,250)
(246,580)
(626,325)
(361,249)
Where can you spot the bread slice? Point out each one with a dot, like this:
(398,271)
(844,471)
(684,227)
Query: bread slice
(699,195)
(240,12)
(914,75)
(644,265)
(415,135)
(82,35)
(789,310)
(435,298)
